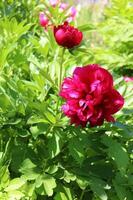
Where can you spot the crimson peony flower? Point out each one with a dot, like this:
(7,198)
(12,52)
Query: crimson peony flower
(90,96)
(43,19)
(67,36)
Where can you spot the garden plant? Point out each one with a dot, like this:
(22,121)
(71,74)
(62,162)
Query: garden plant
(66,100)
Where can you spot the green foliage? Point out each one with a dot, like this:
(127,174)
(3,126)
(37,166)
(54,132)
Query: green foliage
(41,155)
(116,152)
(115,35)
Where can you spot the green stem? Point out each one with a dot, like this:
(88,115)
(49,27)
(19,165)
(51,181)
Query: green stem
(60,76)
(82,194)
(61,65)
(48,15)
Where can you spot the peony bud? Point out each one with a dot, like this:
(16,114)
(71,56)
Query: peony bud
(43,19)
(67,36)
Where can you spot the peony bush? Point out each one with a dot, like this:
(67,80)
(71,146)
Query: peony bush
(66,101)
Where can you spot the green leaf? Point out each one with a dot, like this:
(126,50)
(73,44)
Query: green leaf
(3,196)
(97,186)
(48,183)
(117,153)
(36,119)
(82,182)
(29,190)
(50,117)
(15,195)
(64,193)
(54,145)
(39,129)
(68,176)
(86,27)
(121,191)
(11,31)
(5,102)
(128,131)
(15,184)
(4,177)
(52,169)
(29,170)
(76,149)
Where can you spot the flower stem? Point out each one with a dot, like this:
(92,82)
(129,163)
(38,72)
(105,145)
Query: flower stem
(82,194)
(48,15)
(61,65)
(60,76)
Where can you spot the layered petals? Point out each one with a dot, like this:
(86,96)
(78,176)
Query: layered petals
(112,103)
(70,88)
(67,36)
(96,77)
(90,96)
